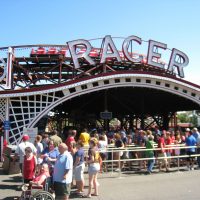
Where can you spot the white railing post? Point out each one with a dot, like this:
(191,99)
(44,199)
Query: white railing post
(119,163)
(112,159)
(178,159)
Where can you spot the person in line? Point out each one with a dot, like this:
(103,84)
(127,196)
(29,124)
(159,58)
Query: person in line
(187,132)
(102,146)
(56,139)
(195,133)
(177,142)
(141,143)
(84,137)
(45,140)
(198,150)
(169,142)
(130,154)
(104,134)
(150,154)
(190,142)
(30,163)
(118,154)
(70,141)
(49,156)
(111,134)
(39,147)
(93,168)
(79,167)
(62,175)
(94,134)
(20,150)
(162,152)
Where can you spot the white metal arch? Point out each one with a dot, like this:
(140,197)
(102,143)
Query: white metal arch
(29,106)
(123,80)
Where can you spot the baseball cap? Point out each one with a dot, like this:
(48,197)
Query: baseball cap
(25,137)
(195,129)
(187,129)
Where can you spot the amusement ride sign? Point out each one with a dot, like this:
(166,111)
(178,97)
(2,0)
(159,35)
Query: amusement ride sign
(177,60)
(79,50)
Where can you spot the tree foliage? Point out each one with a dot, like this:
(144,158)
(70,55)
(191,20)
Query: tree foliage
(187,118)
(183,118)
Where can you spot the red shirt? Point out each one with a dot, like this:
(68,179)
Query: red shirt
(169,142)
(68,141)
(161,143)
(29,168)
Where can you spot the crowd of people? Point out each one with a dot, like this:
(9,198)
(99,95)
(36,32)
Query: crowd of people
(63,161)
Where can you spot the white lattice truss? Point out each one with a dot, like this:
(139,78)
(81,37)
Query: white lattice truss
(2,109)
(26,109)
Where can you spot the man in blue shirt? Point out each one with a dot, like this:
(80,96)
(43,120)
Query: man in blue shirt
(190,142)
(195,133)
(62,175)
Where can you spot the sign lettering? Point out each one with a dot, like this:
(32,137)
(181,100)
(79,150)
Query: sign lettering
(177,60)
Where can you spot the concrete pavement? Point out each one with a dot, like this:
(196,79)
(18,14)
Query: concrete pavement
(175,185)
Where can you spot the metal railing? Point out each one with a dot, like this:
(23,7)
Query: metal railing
(136,149)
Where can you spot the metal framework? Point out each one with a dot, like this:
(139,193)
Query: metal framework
(40,82)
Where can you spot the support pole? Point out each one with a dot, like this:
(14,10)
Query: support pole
(142,113)
(9,69)
(1,148)
(175,120)
(6,132)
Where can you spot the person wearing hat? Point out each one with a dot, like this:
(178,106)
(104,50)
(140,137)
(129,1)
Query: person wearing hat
(195,133)
(20,150)
(187,129)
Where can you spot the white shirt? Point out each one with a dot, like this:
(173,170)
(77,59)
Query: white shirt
(39,148)
(102,146)
(198,140)
(70,165)
(20,151)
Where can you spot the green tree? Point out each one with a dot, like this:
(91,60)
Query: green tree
(193,120)
(183,118)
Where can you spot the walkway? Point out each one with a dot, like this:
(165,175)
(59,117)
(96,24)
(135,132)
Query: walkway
(181,185)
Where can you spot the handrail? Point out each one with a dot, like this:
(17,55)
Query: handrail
(144,149)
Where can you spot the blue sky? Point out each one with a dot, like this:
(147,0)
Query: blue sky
(174,22)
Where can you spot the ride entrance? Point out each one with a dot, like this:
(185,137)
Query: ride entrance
(85,83)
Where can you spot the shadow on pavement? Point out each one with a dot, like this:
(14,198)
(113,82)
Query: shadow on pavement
(10,198)
(14,179)
(9,187)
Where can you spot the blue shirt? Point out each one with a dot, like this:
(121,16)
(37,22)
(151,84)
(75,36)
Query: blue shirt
(79,153)
(196,134)
(51,154)
(63,163)
(191,141)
